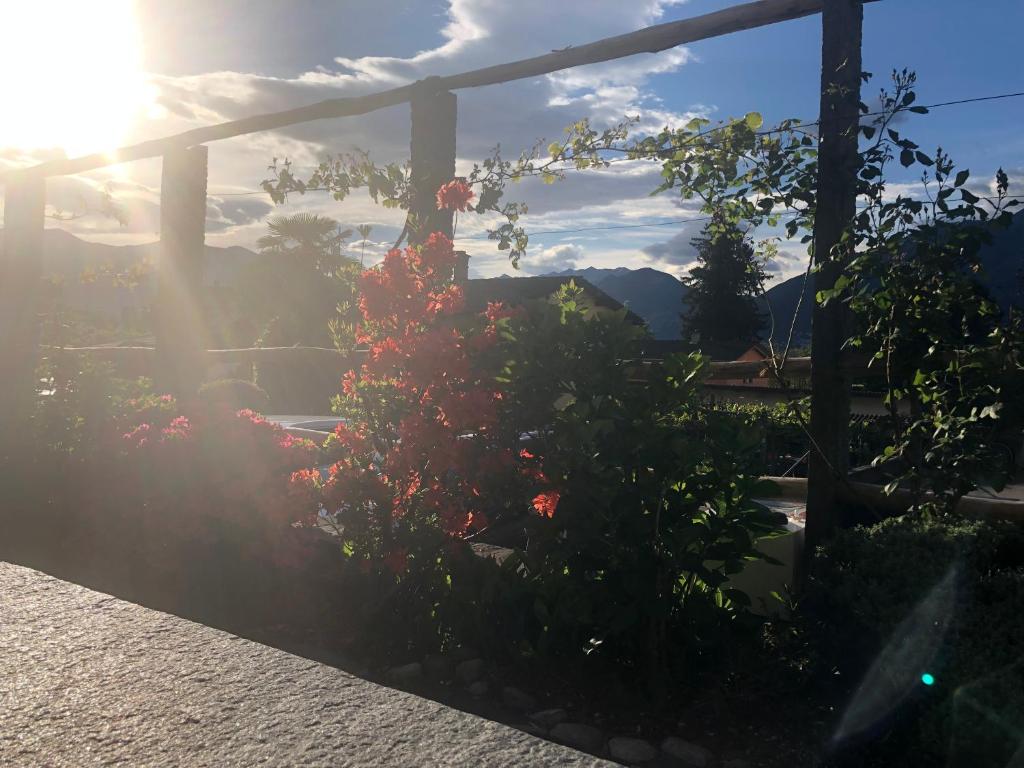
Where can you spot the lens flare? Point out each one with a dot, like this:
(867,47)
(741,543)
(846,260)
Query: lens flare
(911,649)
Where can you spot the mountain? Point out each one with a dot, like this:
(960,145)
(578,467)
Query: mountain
(656,296)
(68,259)
(780,302)
(1002,270)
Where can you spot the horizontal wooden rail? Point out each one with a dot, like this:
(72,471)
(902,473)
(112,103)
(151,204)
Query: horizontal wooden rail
(652,39)
(253,355)
(719,369)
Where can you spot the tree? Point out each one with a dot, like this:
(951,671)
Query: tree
(304,289)
(723,287)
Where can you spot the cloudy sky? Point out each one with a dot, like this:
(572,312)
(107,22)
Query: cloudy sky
(86,76)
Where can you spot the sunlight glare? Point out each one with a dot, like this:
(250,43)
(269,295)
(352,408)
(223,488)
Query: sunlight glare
(71,75)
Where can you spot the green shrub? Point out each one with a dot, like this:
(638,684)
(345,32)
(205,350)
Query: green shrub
(780,441)
(654,508)
(865,585)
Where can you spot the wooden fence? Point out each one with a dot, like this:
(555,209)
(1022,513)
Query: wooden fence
(179,355)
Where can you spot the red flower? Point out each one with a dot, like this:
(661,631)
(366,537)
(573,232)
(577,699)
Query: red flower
(454,196)
(348,384)
(436,256)
(447,302)
(546,503)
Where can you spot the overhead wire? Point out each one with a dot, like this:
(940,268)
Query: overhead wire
(767,132)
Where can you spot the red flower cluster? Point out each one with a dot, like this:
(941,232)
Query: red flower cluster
(424,442)
(409,289)
(454,196)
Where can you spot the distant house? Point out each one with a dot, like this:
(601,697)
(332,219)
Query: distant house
(520,291)
(741,351)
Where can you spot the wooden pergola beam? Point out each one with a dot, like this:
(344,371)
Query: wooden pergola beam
(652,39)
(838,166)
(431,161)
(180,315)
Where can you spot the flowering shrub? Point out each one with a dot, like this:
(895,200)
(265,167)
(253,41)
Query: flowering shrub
(423,448)
(426,456)
(211,469)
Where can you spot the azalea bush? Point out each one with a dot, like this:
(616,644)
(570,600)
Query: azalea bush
(424,458)
(189,507)
(185,506)
(209,472)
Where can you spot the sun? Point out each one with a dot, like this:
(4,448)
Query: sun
(71,75)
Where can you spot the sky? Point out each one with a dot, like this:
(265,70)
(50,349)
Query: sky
(82,77)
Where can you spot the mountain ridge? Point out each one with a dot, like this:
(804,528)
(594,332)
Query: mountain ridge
(648,292)
(658,297)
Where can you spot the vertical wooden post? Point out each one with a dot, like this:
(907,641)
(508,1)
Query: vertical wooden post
(432,154)
(180,317)
(20,277)
(838,162)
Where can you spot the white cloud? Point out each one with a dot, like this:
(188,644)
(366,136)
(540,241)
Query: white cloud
(554,259)
(475,33)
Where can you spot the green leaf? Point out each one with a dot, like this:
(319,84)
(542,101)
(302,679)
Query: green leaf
(961,178)
(990,411)
(753,120)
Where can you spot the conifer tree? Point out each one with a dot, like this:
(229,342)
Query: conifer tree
(723,287)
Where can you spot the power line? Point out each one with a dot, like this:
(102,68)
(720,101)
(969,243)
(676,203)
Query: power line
(972,100)
(768,132)
(784,214)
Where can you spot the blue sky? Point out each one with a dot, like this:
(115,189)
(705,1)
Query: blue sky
(211,60)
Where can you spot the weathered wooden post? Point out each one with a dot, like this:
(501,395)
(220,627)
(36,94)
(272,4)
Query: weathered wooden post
(180,317)
(20,282)
(432,158)
(838,162)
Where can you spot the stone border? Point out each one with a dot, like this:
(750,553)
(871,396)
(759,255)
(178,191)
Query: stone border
(87,679)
